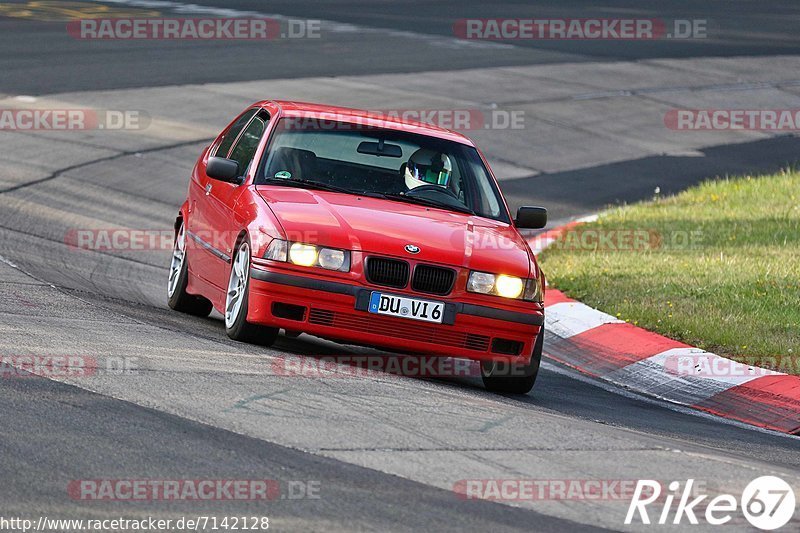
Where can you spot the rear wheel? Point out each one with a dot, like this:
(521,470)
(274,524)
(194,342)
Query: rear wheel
(178,298)
(236,304)
(511,378)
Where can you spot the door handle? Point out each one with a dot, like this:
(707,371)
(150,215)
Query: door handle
(208,189)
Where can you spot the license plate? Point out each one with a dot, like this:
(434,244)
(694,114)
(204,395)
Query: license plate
(389,304)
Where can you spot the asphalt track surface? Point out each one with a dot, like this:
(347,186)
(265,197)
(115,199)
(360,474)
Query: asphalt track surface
(386,451)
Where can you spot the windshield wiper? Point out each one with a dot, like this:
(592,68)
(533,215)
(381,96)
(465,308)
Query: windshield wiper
(309,184)
(427,202)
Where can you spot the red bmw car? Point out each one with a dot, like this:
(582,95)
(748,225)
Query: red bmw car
(363,229)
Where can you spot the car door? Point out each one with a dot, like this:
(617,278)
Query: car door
(205,257)
(222,198)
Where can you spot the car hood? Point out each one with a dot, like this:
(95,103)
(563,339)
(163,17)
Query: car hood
(385,227)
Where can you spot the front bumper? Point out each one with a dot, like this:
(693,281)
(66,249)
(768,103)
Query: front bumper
(338,311)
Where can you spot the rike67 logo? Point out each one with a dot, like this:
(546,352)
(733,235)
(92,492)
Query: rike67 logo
(767,502)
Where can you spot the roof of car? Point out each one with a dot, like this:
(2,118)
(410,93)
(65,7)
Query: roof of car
(383,119)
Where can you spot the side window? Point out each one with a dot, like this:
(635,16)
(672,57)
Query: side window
(245,149)
(225,144)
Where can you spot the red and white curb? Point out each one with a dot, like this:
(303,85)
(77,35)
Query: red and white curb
(620,353)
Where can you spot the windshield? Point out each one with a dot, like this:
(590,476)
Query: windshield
(387,163)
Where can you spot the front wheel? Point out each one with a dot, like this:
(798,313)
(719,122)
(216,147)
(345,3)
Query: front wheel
(511,378)
(236,304)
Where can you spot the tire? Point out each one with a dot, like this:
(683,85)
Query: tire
(236,303)
(496,377)
(177,297)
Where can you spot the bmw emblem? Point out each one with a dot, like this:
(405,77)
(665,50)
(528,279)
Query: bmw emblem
(410,248)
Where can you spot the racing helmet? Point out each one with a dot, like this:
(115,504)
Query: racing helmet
(428,167)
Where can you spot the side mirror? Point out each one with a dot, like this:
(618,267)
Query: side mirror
(531,217)
(223,169)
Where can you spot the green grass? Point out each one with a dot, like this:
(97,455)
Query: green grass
(734,291)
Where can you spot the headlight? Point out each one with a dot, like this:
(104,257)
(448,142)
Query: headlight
(303,254)
(331,259)
(508,286)
(505,286)
(481,282)
(308,255)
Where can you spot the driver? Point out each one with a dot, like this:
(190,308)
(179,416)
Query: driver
(428,167)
